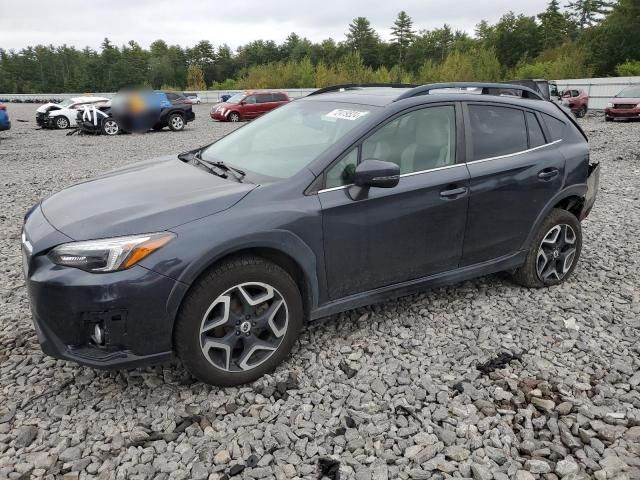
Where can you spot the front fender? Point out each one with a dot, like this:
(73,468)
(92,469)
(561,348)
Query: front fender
(282,241)
(578,190)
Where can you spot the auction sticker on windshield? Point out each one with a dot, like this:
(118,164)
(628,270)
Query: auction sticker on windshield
(342,114)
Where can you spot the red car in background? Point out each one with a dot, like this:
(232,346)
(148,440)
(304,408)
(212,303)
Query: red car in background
(248,105)
(577,101)
(625,105)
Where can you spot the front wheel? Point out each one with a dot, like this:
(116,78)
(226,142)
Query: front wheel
(239,321)
(234,117)
(62,122)
(554,251)
(110,127)
(176,122)
(582,112)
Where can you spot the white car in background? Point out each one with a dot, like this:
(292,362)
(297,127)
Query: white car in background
(64,114)
(194,97)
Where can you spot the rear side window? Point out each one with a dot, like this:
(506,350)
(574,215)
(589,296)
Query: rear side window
(172,96)
(264,98)
(279,97)
(536,137)
(496,131)
(555,127)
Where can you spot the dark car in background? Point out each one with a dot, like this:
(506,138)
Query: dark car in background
(625,105)
(171,110)
(576,100)
(344,198)
(248,105)
(5,123)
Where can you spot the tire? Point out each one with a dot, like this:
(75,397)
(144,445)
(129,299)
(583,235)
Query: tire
(608,119)
(234,117)
(110,127)
(582,112)
(157,128)
(242,340)
(62,122)
(558,260)
(176,122)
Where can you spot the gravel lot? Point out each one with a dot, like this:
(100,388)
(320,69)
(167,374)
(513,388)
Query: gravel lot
(391,391)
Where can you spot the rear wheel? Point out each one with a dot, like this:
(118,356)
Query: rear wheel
(62,122)
(554,251)
(176,122)
(110,127)
(238,322)
(234,117)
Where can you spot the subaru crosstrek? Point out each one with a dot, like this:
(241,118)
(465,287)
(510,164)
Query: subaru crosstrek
(344,198)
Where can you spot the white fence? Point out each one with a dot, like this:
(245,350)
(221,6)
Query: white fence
(599,89)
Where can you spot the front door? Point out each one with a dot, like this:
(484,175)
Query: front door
(379,237)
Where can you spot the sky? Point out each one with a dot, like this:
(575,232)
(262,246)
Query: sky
(86,23)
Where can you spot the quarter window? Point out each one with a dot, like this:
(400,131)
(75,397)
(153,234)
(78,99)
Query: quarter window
(555,126)
(420,140)
(496,131)
(536,137)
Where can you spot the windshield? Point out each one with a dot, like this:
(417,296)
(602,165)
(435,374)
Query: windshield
(66,103)
(236,98)
(630,92)
(286,140)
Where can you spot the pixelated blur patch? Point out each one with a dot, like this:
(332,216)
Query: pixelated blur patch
(138,110)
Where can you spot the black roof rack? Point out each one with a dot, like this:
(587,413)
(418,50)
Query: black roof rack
(487,89)
(358,86)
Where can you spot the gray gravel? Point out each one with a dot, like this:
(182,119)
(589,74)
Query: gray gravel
(390,391)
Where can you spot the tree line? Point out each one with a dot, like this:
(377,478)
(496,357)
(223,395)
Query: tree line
(580,39)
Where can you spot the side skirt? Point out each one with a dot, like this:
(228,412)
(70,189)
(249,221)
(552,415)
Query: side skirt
(407,288)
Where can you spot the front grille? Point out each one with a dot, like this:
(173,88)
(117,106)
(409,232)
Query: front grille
(625,106)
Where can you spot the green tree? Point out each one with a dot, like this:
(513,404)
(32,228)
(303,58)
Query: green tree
(555,26)
(364,40)
(517,38)
(588,13)
(402,35)
(630,68)
(195,78)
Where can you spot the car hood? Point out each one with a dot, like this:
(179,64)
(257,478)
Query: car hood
(629,100)
(145,197)
(47,107)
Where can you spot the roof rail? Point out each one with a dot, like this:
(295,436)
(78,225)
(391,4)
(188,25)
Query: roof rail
(357,86)
(487,89)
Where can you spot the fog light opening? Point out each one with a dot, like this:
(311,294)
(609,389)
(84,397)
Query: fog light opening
(98,334)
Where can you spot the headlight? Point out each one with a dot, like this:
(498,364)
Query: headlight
(609,105)
(109,254)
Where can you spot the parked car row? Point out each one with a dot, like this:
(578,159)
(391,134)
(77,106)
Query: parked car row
(126,112)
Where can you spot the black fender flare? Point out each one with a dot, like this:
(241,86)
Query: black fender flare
(578,190)
(285,242)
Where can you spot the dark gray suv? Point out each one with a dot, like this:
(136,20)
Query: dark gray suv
(344,198)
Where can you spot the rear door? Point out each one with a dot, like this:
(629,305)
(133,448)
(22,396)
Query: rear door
(515,171)
(378,237)
(265,102)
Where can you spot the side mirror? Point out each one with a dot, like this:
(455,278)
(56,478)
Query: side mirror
(376,173)
(242,102)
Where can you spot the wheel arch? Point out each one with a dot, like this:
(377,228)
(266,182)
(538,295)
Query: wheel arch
(290,254)
(569,199)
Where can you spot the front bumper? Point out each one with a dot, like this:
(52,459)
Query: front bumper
(67,303)
(218,115)
(622,113)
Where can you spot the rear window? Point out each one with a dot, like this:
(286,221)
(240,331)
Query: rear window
(536,137)
(496,131)
(555,127)
(279,97)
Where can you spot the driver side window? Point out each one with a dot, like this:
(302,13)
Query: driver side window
(250,99)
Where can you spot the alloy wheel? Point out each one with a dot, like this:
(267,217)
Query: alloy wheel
(244,326)
(111,127)
(234,117)
(62,122)
(556,253)
(177,122)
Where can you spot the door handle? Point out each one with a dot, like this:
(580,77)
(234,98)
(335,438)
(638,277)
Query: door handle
(548,173)
(455,192)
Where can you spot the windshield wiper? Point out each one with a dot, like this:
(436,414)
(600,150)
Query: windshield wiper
(236,172)
(195,157)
